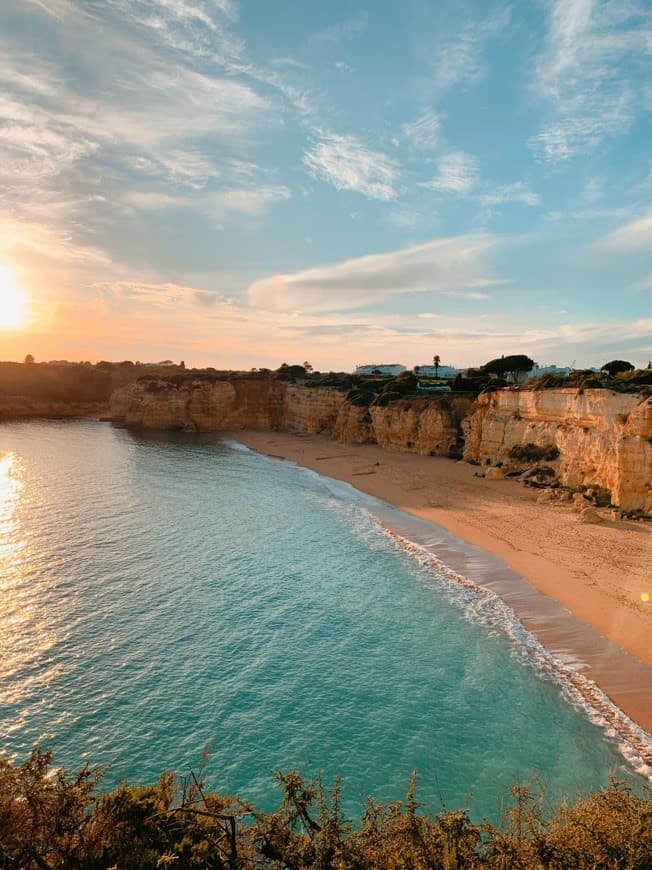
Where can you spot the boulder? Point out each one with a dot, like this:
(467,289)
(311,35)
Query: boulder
(579,502)
(495,474)
(589,515)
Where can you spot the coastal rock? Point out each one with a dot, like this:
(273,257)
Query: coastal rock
(603,438)
(579,502)
(590,515)
(430,427)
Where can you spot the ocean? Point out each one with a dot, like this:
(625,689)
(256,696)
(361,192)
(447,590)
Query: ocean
(167,595)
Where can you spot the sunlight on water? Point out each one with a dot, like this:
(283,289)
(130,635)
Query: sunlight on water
(25,630)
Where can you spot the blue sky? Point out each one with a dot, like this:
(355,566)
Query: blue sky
(250,183)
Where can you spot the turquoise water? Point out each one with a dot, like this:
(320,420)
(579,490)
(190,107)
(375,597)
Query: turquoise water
(164,593)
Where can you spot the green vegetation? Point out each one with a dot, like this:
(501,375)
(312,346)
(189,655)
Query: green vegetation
(534,453)
(616,366)
(53,820)
(630,381)
(514,365)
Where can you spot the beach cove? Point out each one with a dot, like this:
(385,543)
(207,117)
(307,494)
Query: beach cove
(596,573)
(192,593)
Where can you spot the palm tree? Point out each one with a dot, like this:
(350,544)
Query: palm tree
(435,361)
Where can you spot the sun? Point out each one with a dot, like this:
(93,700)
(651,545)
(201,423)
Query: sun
(13,301)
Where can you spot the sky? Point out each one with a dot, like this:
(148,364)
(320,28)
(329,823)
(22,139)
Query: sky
(242,183)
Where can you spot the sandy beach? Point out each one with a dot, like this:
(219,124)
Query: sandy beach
(597,572)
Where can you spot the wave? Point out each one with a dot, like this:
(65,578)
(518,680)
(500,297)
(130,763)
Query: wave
(487,608)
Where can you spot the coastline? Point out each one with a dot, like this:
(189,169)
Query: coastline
(587,610)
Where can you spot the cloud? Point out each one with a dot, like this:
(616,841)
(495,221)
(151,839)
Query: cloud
(634,236)
(251,201)
(164,295)
(587,74)
(517,191)
(442,265)
(30,237)
(345,30)
(457,172)
(347,164)
(459,59)
(593,189)
(644,283)
(198,28)
(423,132)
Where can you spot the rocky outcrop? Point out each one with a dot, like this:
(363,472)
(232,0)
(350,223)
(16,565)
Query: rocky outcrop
(603,438)
(430,427)
(427,426)
(596,438)
(201,406)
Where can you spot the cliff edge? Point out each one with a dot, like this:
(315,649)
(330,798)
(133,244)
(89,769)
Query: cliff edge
(594,437)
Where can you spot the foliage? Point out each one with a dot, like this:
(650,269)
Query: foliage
(615,366)
(29,359)
(51,820)
(513,365)
(642,377)
(290,373)
(534,453)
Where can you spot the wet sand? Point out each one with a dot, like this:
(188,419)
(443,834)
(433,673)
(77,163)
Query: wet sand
(596,572)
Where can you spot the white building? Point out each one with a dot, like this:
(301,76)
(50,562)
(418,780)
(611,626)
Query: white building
(385,370)
(446,372)
(551,369)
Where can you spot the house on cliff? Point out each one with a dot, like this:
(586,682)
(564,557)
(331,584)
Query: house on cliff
(435,379)
(379,370)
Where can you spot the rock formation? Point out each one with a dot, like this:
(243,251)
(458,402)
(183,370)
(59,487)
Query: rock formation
(603,438)
(590,439)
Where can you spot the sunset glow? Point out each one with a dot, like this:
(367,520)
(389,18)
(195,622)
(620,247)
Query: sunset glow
(13,301)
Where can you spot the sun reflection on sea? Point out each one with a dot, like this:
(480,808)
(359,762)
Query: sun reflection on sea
(25,636)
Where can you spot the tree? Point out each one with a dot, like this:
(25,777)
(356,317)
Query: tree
(616,366)
(307,367)
(514,365)
(29,359)
(436,360)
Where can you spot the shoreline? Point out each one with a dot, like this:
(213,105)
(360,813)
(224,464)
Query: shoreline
(576,588)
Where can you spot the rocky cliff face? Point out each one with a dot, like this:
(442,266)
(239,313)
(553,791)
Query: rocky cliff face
(426,426)
(603,438)
(202,406)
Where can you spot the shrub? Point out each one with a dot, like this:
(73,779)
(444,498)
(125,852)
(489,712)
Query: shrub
(534,453)
(52,819)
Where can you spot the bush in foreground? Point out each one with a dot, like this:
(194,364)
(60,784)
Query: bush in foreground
(52,819)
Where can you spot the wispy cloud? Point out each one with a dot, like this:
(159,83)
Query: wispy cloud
(458,172)
(442,265)
(517,191)
(587,74)
(459,59)
(164,295)
(28,237)
(634,236)
(423,132)
(348,164)
(348,28)
(218,204)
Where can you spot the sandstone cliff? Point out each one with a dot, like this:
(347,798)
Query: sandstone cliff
(426,426)
(603,438)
